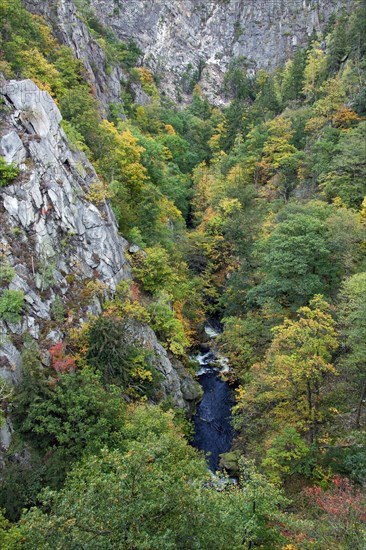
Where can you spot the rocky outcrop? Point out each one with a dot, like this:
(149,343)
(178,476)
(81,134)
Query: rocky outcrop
(55,239)
(71,30)
(176,382)
(197,39)
(188,41)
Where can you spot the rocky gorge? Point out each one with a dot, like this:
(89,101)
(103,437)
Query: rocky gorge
(57,240)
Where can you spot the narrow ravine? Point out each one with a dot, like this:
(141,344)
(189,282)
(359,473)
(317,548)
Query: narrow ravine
(212,422)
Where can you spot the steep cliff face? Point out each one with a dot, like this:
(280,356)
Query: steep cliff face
(55,239)
(195,38)
(72,31)
(187,41)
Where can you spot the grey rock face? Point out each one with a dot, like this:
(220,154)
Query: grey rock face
(181,35)
(177,383)
(12,149)
(6,431)
(55,239)
(72,31)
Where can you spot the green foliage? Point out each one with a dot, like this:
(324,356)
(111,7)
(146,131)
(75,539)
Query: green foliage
(8,172)
(191,76)
(7,272)
(353,326)
(161,478)
(285,455)
(293,77)
(6,394)
(346,174)
(301,352)
(315,70)
(272,189)
(237,83)
(58,309)
(58,419)
(11,305)
(126,54)
(76,412)
(259,502)
(295,259)
(46,270)
(33,385)
(287,386)
(152,270)
(22,483)
(10,535)
(244,341)
(348,460)
(167,326)
(305,253)
(76,139)
(151,473)
(117,360)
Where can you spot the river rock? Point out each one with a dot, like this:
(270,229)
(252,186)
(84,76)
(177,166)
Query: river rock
(230,462)
(191,390)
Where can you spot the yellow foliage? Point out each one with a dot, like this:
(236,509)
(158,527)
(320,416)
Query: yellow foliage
(126,304)
(120,157)
(214,142)
(315,67)
(337,201)
(168,211)
(238,175)
(169,129)
(197,90)
(43,73)
(93,288)
(98,193)
(230,206)
(147,81)
(145,75)
(79,337)
(315,124)
(139,373)
(45,33)
(344,118)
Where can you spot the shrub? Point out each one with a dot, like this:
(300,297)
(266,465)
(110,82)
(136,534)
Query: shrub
(58,310)
(342,513)
(8,172)
(167,326)
(152,270)
(11,304)
(118,361)
(286,455)
(61,362)
(7,272)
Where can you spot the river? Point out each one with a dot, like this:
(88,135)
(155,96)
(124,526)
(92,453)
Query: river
(213,430)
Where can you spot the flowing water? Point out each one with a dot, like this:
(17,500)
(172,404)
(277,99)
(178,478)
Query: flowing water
(213,431)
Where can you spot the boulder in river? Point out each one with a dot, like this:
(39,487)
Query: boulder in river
(230,462)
